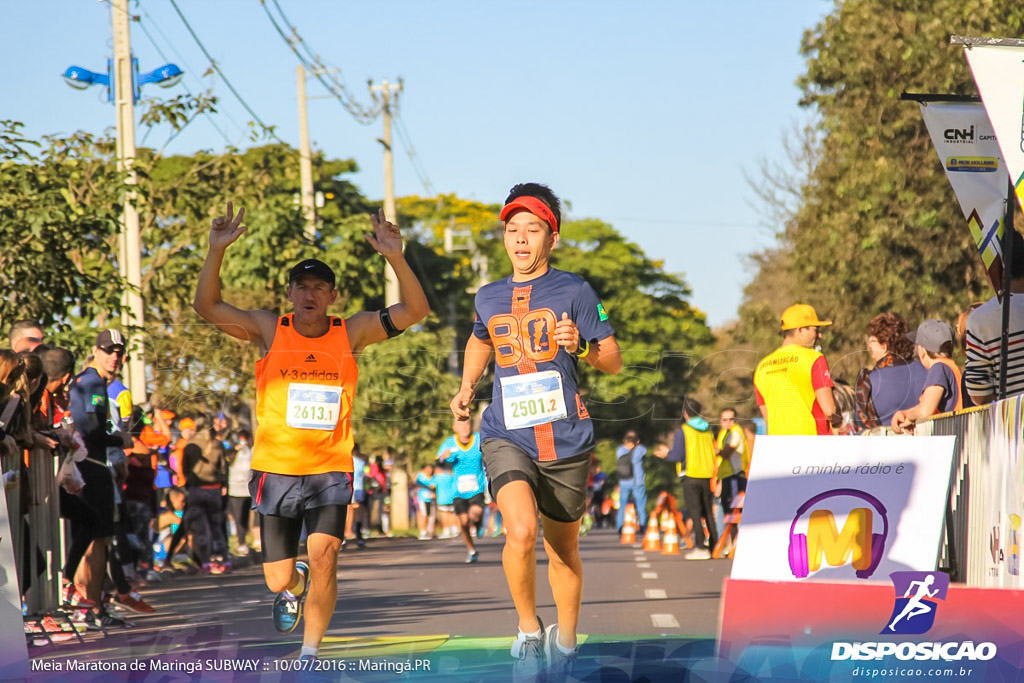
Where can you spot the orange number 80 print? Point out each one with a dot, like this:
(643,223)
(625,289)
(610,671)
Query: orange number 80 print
(530,336)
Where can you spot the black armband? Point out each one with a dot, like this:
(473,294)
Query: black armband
(389,326)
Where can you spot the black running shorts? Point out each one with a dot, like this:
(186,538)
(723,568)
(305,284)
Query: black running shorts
(560,486)
(285,502)
(462,505)
(286,495)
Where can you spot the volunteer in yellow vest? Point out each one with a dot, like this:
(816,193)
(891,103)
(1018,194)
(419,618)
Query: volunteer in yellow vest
(792,384)
(941,394)
(693,451)
(305,388)
(733,458)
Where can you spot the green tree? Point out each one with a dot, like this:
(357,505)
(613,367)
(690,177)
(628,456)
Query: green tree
(60,202)
(877,227)
(662,337)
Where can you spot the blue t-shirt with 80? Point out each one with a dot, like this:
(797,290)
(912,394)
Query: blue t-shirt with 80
(527,408)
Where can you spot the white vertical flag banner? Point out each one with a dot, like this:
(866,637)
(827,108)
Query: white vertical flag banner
(999,72)
(970,155)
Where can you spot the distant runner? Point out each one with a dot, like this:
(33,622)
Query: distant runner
(463,450)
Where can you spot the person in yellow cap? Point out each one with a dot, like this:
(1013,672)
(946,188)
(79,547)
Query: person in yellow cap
(792,384)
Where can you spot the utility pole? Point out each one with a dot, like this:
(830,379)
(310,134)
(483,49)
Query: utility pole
(449,247)
(385,89)
(130,243)
(305,158)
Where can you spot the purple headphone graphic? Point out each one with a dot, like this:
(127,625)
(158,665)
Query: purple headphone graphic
(798,542)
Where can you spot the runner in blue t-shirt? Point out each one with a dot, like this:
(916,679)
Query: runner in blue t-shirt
(444,484)
(425,486)
(463,450)
(536,433)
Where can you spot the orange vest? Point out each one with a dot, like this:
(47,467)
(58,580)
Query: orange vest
(959,385)
(305,388)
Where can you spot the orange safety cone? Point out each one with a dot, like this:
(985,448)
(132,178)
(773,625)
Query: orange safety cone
(670,546)
(652,539)
(629,525)
(726,546)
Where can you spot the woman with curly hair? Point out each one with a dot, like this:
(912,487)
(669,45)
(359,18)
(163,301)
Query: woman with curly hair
(895,380)
(13,400)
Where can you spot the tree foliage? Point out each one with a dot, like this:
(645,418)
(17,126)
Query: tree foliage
(876,226)
(661,336)
(61,207)
(60,202)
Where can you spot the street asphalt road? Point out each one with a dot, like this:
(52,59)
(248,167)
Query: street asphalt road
(415,600)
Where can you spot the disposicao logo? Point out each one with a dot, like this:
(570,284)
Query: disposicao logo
(913,613)
(917,596)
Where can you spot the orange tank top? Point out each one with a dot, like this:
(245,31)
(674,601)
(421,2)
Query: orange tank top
(959,384)
(305,388)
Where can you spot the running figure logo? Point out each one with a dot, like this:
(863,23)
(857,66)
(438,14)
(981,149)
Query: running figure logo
(917,596)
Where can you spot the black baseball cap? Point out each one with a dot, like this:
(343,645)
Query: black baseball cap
(108,339)
(314,267)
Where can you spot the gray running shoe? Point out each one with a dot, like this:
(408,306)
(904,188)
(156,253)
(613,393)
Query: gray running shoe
(529,656)
(559,665)
(288,608)
(472,557)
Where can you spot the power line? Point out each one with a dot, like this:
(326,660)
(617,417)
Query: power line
(188,70)
(266,129)
(410,151)
(309,52)
(338,88)
(315,65)
(209,116)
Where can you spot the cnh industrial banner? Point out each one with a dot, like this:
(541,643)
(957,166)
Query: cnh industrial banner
(969,153)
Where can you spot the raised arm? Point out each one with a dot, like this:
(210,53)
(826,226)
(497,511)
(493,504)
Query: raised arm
(251,326)
(367,327)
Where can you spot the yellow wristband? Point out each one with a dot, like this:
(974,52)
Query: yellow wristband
(582,349)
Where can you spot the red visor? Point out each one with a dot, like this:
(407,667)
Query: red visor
(534,206)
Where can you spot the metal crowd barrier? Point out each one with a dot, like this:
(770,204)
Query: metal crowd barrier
(986,498)
(44,524)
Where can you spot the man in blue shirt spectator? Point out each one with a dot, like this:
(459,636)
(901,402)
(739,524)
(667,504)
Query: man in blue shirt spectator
(629,464)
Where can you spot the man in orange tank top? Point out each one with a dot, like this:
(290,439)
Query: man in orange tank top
(305,387)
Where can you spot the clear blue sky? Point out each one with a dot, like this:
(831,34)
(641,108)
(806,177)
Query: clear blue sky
(643,114)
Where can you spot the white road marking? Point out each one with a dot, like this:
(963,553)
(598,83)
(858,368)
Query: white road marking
(664,621)
(648,575)
(655,594)
(643,565)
